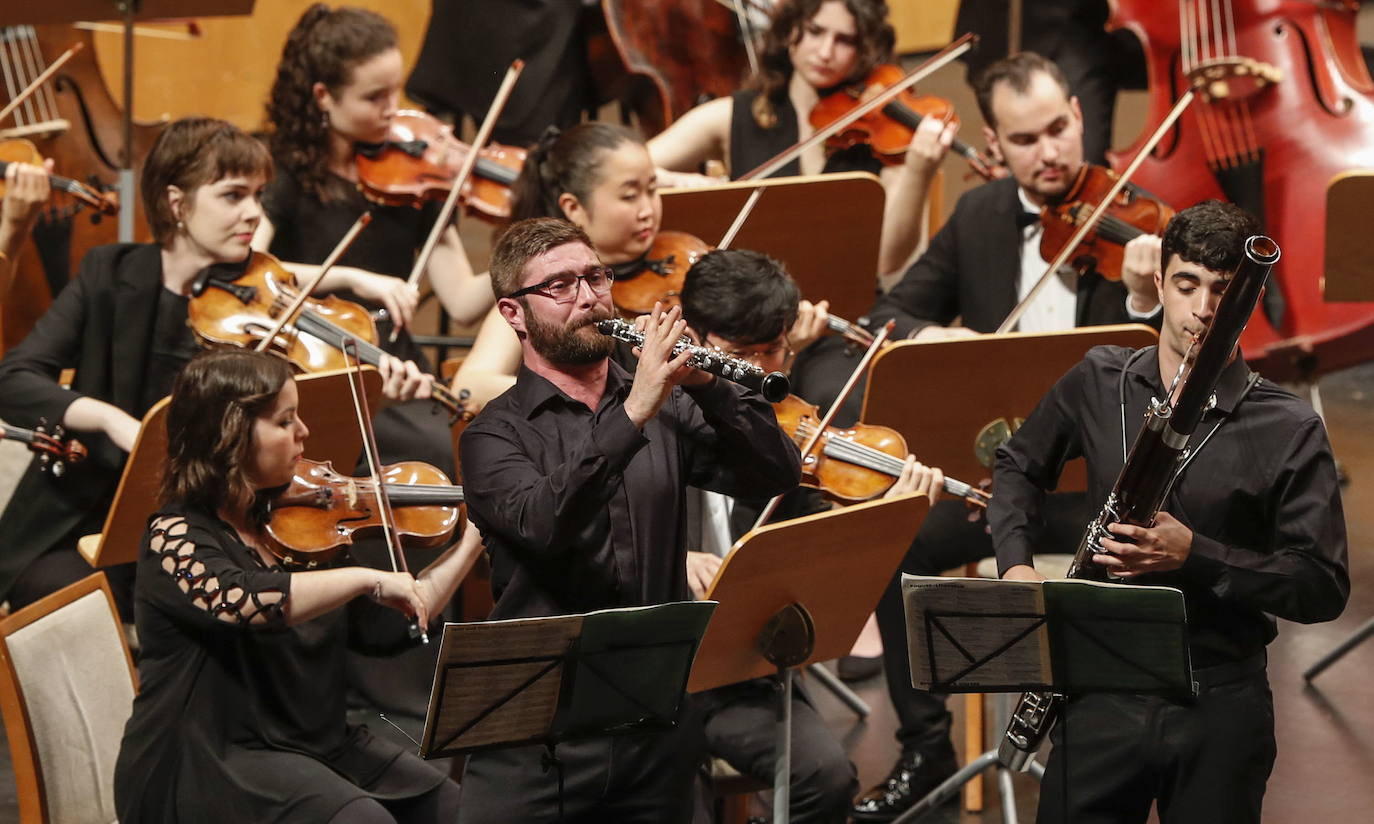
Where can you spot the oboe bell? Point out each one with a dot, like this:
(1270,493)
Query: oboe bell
(773,386)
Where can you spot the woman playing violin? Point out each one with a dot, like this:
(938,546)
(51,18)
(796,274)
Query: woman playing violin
(26,190)
(338,86)
(811,47)
(601,178)
(240,715)
(121,324)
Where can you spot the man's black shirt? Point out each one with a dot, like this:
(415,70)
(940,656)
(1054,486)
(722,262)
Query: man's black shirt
(580,510)
(1261,497)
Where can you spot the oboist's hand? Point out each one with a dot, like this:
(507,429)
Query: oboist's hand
(401,592)
(812,321)
(701,571)
(1139,263)
(1159,548)
(658,371)
(919,478)
(402,380)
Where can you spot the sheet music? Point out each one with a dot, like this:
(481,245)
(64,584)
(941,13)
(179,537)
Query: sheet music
(962,633)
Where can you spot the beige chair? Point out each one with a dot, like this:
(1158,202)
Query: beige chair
(67,685)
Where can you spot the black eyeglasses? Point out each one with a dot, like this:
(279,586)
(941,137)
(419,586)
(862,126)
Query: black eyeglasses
(563,288)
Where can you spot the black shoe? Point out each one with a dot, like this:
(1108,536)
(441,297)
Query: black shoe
(912,778)
(858,667)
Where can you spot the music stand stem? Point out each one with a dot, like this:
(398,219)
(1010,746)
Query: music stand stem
(1339,652)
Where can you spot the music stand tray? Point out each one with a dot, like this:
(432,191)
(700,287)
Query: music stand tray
(960,434)
(824,228)
(1063,636)
(326,406)
(797,592)
(547,680)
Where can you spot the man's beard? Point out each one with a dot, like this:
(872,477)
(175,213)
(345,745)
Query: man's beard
(577,345)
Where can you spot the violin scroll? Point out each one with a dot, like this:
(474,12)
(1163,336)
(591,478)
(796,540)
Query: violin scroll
(55,451)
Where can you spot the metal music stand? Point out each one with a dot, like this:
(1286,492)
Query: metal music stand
(798,592)
(326,406)
(1064,636)
(501,684)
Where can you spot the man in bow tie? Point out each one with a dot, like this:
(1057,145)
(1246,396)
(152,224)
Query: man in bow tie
(977,268)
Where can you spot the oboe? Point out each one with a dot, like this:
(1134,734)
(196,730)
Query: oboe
(773,386)
(1150,470)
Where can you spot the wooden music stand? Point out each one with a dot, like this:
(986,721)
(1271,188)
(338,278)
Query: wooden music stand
(326,406)
(1349,269)
(797,592)
(824,228)
(978,388)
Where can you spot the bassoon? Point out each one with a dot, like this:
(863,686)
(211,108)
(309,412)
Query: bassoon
(1150,469)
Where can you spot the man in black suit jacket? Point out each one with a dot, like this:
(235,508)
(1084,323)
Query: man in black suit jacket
(974,272)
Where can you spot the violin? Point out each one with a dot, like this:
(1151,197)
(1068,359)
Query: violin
(662,275)
(54,450)
(419,160)
(316,516)
(19,150)
(855,464)
(1130,215)
(888,130)
(242,312)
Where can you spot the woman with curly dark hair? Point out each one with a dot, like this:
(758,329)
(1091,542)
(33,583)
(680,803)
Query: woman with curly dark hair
(810,48)
(241,712)
(338,85)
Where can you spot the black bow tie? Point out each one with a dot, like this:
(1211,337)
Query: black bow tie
(1024,219)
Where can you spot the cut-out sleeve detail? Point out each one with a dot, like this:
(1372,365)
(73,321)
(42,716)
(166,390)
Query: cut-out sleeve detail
(210,583)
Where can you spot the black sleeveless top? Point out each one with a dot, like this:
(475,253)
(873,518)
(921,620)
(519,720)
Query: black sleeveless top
(752,146)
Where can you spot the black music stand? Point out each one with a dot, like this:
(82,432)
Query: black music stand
(548,680)
(1064,636)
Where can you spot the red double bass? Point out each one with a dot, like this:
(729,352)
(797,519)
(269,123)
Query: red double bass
(1285,103)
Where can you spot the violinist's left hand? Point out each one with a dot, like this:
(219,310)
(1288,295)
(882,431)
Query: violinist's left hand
(402,380)
(393,294)
(930,141)
(812,321)
(1139,263)
(26,190)
(1159,548)
(919,478)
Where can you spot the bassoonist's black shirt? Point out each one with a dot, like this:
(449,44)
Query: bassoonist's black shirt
(1261,497)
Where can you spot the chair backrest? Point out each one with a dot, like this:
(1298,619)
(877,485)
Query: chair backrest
(67,685)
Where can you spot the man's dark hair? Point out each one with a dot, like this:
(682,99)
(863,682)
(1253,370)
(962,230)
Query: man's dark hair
(1016,71)
(524,241)
(1211,234)
(744,297)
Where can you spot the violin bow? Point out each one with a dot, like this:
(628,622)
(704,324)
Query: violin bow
(39,81)
(939,61)
(349,347)
(304,292)
(873,349)
(1087,225)
(464,171)
(743,215)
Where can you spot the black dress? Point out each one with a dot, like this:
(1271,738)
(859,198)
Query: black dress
(306,231)
(239,717)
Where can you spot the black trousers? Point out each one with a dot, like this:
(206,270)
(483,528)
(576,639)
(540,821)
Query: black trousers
(1204,762)
(628,778)
(740,721)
